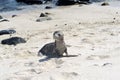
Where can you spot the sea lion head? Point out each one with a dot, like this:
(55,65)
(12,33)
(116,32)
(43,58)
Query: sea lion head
(58,35)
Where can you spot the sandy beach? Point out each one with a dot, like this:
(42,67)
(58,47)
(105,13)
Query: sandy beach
(91,31)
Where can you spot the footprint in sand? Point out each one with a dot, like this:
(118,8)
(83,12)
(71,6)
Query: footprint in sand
(95,57)
(107,64)
(19,78)
(59,61)
(70,75)
(65,76)
(31,72)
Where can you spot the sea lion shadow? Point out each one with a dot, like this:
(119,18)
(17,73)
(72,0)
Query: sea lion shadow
(44,59)
(50,57)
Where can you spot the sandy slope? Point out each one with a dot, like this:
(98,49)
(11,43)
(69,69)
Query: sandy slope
(90,32)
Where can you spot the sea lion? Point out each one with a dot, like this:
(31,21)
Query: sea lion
(13,41)
(55,49)
(9,31)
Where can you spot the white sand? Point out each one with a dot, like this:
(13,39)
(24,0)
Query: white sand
(91,32)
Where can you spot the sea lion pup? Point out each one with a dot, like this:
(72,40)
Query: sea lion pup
(55,49)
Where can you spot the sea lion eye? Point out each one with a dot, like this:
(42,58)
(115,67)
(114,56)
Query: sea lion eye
(59,35)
